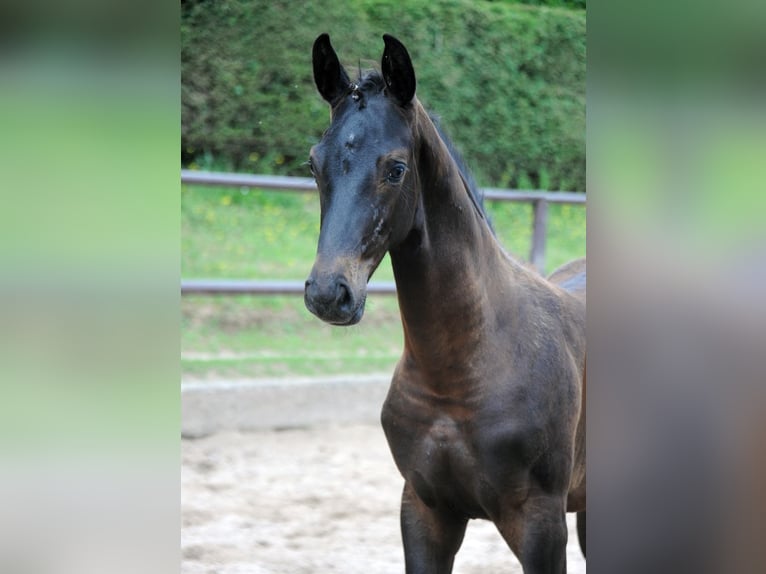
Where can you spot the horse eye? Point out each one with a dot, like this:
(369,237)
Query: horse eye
(396,173)
(311,167)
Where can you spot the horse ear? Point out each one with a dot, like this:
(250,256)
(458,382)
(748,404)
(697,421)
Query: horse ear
(398,71)
(330,77)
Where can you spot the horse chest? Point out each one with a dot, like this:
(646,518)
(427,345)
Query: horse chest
(436,456)
(441,450)
(474,457)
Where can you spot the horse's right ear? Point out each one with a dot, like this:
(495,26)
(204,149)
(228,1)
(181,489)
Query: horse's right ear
(330,77)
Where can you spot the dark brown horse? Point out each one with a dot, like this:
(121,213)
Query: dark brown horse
(485,416)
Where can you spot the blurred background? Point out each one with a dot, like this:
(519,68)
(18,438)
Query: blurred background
(507,80)
(94,105)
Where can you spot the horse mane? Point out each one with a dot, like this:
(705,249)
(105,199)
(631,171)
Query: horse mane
(372,82)
(470,182)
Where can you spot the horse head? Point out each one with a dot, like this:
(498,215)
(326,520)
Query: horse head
(364,167)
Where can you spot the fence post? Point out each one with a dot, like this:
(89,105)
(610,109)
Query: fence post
(539,233)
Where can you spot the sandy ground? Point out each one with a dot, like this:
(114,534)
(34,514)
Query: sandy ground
(309,501)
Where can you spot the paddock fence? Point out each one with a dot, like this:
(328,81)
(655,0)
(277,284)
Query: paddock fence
(539,200)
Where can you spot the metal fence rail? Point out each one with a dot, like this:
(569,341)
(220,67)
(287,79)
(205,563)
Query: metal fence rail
(538,199)
(263,287)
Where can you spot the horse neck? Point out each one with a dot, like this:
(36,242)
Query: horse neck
(445,270)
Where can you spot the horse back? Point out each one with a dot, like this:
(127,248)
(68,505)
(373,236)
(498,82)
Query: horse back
(571,277)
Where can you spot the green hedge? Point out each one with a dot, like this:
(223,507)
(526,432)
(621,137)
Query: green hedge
(507,79)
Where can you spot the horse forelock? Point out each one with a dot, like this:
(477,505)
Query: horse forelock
(366,84)
(370,81)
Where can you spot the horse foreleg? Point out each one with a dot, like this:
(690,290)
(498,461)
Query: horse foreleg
(537,534)
(431,536)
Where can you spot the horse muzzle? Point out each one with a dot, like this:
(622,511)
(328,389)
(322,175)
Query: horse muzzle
(334,300)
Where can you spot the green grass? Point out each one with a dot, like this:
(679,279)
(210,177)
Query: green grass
(228,233)
(276,336)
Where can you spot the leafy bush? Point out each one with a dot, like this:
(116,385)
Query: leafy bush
(507,79)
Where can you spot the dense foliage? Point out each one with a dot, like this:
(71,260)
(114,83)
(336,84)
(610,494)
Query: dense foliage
(562,3)
(507,79)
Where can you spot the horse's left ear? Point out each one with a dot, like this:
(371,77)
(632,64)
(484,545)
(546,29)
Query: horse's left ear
(398,72)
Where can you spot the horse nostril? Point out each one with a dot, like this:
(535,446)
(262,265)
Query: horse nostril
(343,295)
(309,290)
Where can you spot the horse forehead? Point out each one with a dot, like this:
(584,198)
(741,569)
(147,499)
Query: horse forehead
(360,128)
(370,125)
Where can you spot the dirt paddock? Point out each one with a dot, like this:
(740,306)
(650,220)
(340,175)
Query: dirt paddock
(309,501)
